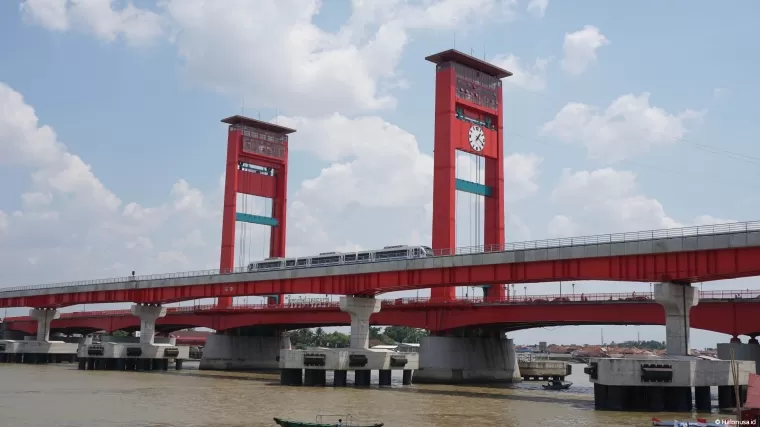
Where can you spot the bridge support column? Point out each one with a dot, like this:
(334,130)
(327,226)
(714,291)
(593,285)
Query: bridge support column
(15,349)
(360,309)
(244,350)
(467,360)
(148,315)
(677,300)
(44,317)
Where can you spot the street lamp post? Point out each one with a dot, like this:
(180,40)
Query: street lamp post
(573,289)
(525,288)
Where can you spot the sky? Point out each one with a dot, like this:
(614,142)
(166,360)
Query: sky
(619,117)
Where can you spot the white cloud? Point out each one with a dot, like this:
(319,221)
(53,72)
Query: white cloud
(99,17)
(538,7)
(37,199)
(270,52)
(70,221)
(3,221)
(627,127)
(51,14)
(580,48)
(609,201)
(377,185)
(531,77)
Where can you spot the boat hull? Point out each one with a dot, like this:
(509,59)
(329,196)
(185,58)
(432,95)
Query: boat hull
(286,423)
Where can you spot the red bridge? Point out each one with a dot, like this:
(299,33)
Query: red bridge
(687,255)
(728,312)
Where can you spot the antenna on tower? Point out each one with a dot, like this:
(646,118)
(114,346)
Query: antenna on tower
(484,51)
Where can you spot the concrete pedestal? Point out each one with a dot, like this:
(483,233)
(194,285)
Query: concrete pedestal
(741,352)
(241,353)
(660,384)
(303,365)
(33,351)
(125,356)
(455,360)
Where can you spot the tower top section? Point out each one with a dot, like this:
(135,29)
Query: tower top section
(249,122)
(453,55)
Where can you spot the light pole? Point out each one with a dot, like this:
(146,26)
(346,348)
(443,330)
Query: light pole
(573,289)
(525,288)
(560,289)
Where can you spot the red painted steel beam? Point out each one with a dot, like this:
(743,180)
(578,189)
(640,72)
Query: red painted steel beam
(733,318)
(686,267)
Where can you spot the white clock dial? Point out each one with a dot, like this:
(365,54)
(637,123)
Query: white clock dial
(477,138)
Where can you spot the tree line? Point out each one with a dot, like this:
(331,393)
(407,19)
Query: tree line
(317,337)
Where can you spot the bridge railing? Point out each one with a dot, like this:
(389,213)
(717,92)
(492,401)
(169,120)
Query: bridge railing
(536,244)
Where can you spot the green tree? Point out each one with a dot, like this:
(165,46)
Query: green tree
(404,334)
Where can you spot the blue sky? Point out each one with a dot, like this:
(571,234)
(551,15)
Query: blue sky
(137,91)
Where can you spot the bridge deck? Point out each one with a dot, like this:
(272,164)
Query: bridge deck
(703,238)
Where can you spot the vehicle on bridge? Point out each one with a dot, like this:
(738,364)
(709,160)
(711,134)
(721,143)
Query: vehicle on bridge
(388,253)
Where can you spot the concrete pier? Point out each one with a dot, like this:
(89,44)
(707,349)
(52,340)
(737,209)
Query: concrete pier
(749,352)
(131,353)
(467,360)
(309,367)
(668,383)
(41,349)
(230,352)
(37,352)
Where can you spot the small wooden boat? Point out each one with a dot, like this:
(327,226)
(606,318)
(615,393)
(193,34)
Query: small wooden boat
(320,423)
(557,385)
(700,422)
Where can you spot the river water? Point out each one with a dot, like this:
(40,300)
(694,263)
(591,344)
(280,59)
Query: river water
(62,396)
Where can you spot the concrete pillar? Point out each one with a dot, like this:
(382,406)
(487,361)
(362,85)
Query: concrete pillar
(702,399)
(362,377)
(286,343)
(44,316)
(385,376)
(148,315)
(340,378)
(753,340)
(360,309)
(406,378)
(677,300)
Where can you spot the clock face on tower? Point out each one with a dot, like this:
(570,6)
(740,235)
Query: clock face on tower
(477,138)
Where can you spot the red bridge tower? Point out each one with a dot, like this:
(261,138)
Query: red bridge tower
(257,164)
(468,118)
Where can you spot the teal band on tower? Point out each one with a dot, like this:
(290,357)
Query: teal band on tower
(473,187)
(256,219)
